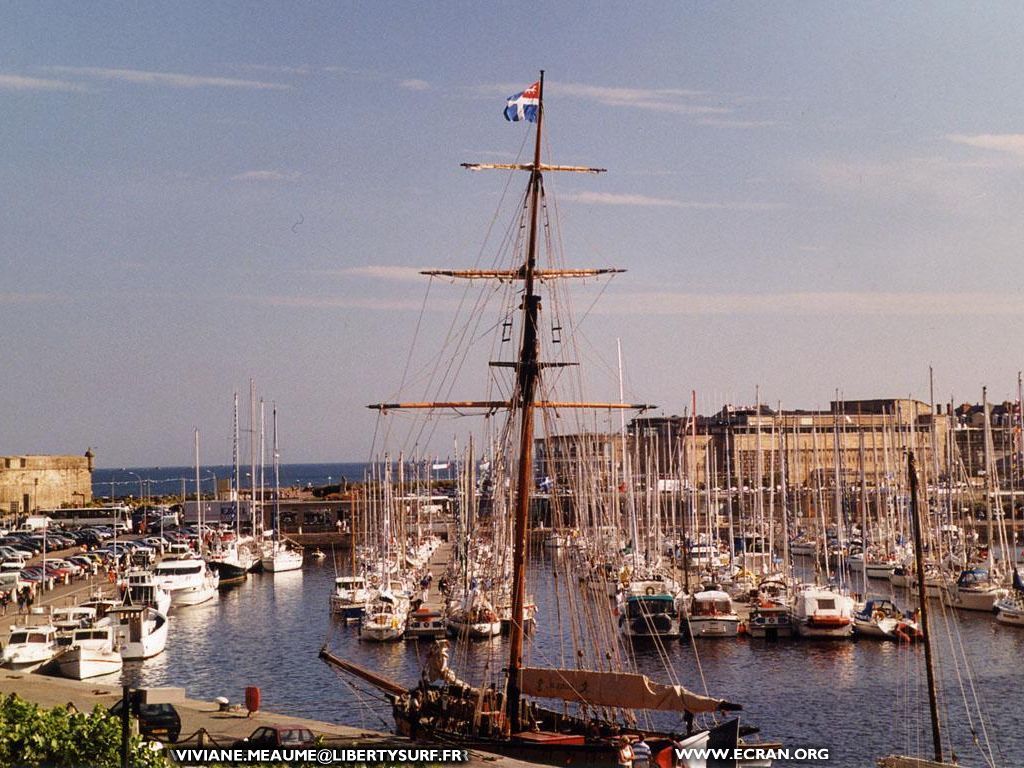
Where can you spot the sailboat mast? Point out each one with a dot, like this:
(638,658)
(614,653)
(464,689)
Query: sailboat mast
(527,386)
(237,469)
(915,520)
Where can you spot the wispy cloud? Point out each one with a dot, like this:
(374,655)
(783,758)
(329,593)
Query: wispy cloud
(1009,143)
(415,85)
(166,79)
(273,69)
(21,83)
(607,198)
(257,176)
(812,304)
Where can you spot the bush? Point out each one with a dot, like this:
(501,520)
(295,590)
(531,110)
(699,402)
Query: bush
(32,737)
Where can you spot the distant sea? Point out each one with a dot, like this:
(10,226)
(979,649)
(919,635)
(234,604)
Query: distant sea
(165,481)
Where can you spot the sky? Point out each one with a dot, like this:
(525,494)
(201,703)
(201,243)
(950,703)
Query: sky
(809,198)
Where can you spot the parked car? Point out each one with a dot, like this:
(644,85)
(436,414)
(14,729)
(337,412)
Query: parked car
(276,736)
(160,722)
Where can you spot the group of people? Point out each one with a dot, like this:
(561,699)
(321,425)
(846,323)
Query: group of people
(25,597)
(638,754)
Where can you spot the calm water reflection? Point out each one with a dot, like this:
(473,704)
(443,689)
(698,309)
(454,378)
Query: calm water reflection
(859,699)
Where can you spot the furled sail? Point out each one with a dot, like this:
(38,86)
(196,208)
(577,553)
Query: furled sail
(616,689)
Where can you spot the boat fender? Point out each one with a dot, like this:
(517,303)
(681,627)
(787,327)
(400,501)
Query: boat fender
(649,591)
(902,635)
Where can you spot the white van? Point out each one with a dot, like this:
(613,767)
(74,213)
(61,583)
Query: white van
(36,523)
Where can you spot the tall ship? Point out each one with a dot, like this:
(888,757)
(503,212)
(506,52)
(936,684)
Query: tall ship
(584,710)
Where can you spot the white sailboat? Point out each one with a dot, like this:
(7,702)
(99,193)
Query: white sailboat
(278,554)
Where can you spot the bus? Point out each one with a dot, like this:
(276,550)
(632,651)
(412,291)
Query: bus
(119,515)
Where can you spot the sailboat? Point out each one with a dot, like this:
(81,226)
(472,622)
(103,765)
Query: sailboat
(278,555)
(595,707)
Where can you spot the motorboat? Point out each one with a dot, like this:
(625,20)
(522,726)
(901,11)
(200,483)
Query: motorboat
(72,617)
(93,652)
(29,647)
(424,623)
(711,614)
(140,631)
(142,589)
(770,615)
(349,597)
(821,612)
(650,615)
(188,580)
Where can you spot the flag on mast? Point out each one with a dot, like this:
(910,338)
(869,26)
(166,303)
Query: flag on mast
(523,105)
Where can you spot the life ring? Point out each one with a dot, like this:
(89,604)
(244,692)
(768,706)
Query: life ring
(649,591)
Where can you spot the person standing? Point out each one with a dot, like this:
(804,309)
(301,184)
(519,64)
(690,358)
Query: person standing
(641,753)
(625,755)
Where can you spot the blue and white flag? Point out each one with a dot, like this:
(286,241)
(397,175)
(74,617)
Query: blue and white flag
(524,106)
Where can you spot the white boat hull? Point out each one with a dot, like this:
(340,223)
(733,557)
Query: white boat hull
(477,630)
(976,599)
(878,570)
(818,631)
(282,560)
(83,663)
(1010,613)
(722,626)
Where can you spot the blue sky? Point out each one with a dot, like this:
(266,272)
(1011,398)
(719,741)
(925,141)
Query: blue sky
(807,196)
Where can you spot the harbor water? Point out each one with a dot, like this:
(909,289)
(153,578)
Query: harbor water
(859,699)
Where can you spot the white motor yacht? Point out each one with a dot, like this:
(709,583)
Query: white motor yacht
(349,597)
(93,652)
(29,646)
(188,580)
(712,615)
(820,612)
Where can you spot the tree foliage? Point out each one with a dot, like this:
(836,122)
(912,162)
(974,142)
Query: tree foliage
(33,737)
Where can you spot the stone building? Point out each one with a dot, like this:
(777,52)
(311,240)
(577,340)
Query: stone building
(854,441)
(44,482)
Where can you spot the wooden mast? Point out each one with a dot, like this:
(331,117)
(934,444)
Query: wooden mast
(524,396)
(527,386)
(922,589)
